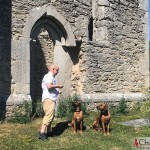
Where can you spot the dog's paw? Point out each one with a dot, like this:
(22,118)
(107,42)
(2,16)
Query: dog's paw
(108,134)
(74,132)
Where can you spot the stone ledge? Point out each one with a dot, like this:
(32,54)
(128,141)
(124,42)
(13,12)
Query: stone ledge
(111,97)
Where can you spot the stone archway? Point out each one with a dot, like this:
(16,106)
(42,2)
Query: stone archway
(46,32)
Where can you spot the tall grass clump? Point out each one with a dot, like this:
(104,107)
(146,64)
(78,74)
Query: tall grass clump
(122,106)
(146,104)
(145,107)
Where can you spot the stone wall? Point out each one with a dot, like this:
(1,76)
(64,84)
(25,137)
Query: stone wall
(111,53)
(115,58)
(115,61)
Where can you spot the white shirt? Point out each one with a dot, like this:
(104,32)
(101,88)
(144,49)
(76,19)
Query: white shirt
(49,93)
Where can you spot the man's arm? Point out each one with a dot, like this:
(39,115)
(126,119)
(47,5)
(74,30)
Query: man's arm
(50,85)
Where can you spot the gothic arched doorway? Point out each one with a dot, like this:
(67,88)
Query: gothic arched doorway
(48,39)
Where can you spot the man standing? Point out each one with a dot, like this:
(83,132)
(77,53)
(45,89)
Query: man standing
(49,98)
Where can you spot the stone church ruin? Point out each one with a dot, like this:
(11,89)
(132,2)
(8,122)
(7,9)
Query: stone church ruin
(101,47)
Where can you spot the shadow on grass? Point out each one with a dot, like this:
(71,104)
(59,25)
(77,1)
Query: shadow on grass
(61,127)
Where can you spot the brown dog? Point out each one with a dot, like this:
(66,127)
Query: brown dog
(77,117)
(103,119)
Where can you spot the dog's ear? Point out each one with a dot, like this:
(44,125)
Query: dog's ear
(105,106)
(74,104)
(97,107)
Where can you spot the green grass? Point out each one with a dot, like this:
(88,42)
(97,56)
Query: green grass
(25,136)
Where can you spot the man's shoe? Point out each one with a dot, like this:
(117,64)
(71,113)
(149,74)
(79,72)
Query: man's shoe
(42,136)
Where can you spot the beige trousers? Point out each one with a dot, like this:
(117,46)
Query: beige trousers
(49,110)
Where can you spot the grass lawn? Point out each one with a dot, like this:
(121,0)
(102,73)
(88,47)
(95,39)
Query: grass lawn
(15,136)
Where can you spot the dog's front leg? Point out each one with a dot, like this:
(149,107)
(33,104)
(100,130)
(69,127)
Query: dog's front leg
(81,126)
(108,129)
(75,126)
(103,126)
